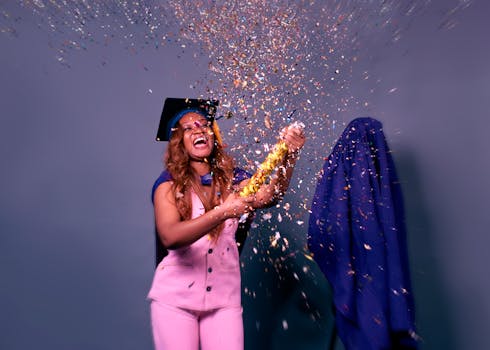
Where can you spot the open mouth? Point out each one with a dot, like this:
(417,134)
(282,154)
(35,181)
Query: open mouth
(200,141)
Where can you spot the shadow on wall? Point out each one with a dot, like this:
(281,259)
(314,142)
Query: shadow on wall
(434,319)
(286,299)
(288,302)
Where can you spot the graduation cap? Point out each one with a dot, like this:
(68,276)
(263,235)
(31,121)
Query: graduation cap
(175,108)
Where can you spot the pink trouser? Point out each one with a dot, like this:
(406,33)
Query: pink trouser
(181,329)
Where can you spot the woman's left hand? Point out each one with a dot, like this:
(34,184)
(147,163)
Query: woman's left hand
(294,137)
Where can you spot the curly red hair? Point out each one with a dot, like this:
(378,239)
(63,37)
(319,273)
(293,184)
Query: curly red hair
(177,162)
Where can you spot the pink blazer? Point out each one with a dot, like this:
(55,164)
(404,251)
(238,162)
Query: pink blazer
(202,276)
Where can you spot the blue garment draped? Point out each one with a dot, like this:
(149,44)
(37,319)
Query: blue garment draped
(357,236)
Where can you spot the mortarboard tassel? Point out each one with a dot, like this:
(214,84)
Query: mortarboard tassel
(217,133)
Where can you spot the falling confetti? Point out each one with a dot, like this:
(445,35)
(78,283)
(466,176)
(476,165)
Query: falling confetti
(270,63)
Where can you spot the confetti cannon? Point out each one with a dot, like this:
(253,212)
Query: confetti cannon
(275,156)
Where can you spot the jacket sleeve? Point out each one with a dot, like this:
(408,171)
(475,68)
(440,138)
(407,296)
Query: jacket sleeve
(160,250)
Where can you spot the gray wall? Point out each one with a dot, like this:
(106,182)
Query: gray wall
(78,160)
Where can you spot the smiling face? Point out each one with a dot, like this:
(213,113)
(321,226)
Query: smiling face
(198,136)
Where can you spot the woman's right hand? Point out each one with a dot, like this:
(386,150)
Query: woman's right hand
(235,205)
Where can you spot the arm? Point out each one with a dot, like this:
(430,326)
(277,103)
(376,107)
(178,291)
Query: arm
(175,232)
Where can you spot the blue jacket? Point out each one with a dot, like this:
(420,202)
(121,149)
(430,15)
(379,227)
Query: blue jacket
(358,238)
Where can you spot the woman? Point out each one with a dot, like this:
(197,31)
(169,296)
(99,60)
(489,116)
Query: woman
(195,295)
